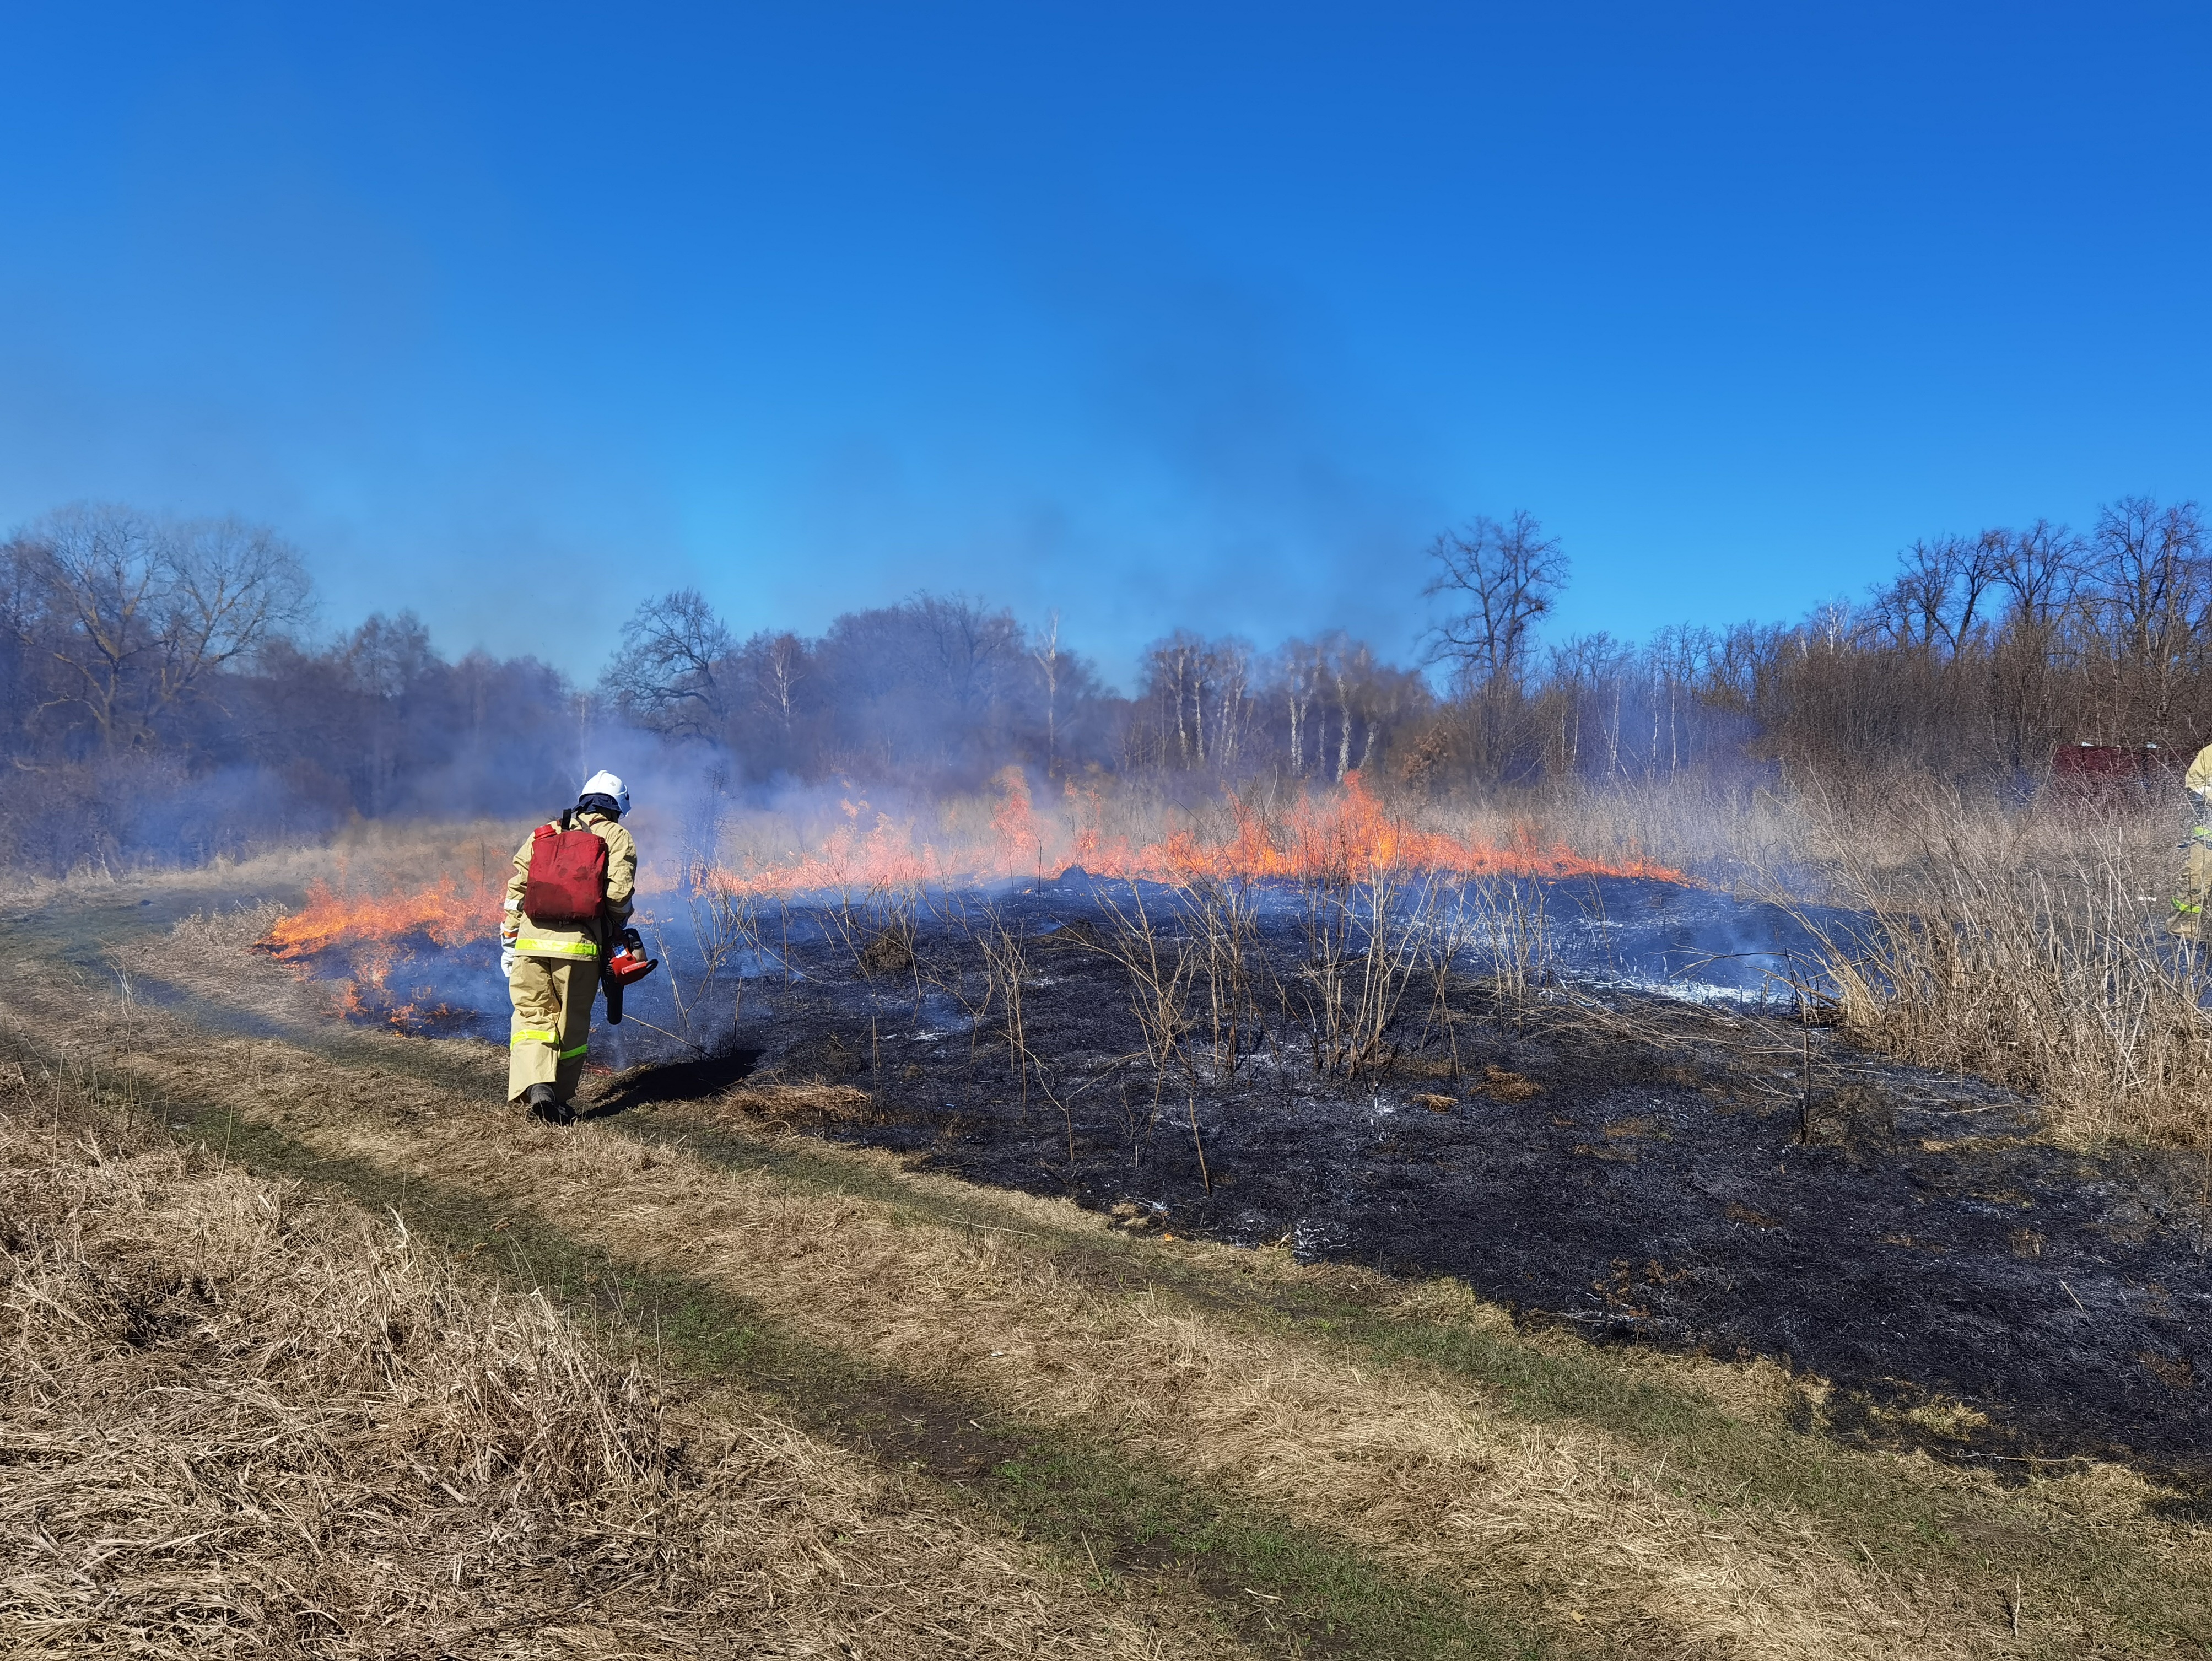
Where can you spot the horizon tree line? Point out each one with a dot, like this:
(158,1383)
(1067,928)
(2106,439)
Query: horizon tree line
(159,692)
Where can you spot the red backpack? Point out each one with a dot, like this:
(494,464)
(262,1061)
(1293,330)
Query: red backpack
(568,880)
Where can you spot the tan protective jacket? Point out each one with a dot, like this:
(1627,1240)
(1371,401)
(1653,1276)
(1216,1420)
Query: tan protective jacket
(568,941)
(2198,778)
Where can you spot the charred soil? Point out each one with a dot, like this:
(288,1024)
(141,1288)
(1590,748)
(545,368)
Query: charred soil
(1638,1169)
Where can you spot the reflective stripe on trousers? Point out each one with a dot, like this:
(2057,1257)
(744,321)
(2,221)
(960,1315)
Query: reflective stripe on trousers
(538,948)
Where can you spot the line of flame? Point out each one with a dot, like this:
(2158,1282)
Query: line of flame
(1349,834)
(1346,834)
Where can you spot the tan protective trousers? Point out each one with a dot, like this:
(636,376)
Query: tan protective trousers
(552,1024)
(2197,891)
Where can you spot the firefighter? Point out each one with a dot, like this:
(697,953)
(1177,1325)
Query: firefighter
(552,967)
(2197,855)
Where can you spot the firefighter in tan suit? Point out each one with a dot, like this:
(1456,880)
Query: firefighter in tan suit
(553,969)
(2196,854)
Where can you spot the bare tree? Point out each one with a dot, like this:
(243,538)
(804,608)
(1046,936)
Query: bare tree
(1940,594)
(2155,586)
(962,646)
(1198,697)
(1297,680)
(1174,683)
(1503,577)
(2039,568)
(1577,670)
(666,673)
(1349,665)
(138,614)
(1229,669)
(387,655)
(1829,626)
(777,663)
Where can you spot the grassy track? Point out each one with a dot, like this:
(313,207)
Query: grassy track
(1400,1468)
(1281,1588)
(244,1417)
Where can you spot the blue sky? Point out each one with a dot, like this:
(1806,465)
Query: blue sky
(1198,315)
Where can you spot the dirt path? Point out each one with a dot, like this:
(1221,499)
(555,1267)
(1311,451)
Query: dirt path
(1551,1525)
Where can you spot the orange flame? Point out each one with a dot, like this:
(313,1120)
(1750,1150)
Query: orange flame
(1346,835)
(449,911)
(1350,835)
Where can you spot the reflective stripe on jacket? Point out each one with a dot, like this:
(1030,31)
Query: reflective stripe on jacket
(564,940)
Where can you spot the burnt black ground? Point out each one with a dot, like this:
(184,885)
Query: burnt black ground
(1657,1184)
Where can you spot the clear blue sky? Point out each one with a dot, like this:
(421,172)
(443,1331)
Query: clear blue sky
(1187,314)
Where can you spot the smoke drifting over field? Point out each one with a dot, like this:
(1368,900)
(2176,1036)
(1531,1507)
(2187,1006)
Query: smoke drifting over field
(164,699)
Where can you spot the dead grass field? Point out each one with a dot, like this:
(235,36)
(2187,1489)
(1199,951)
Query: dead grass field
(2026,944)
(241,1419)
(1609,1503)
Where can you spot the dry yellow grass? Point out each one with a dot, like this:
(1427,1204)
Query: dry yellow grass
(1426,1467)
(236,1423)
(2028,945)
(368,852)
(1419,1466)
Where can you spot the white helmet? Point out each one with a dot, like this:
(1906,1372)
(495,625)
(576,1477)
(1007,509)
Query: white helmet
(606,784)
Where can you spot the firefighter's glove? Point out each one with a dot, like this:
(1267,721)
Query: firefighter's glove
(507,956)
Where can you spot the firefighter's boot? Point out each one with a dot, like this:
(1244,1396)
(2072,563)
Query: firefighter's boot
(539,1100)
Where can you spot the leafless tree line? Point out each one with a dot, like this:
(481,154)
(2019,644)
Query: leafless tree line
(1980,657)
(936,689)
(1308,709)
(156,699)
(944,689)
(159,692)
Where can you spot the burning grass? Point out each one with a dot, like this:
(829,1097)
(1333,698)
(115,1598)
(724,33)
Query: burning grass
(1344,833)
(367,937)
(447,912)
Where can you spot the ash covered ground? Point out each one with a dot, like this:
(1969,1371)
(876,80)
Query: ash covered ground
(1621,1141)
